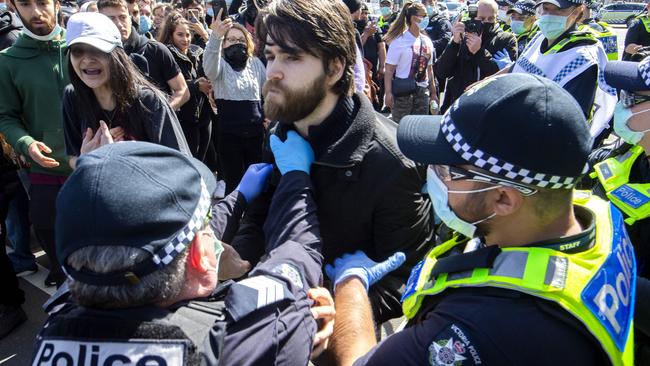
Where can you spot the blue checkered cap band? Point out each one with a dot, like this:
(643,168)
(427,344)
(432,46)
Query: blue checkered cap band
(500,167)
(185,236)
(524,8)
(644,70)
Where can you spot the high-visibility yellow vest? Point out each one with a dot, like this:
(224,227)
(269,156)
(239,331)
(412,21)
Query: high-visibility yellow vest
(645,19)
(606,36)
(614,175)
(576,37)
(596,285)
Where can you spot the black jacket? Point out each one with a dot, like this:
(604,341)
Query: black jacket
(8,31)
(368,197)
(152,58)
(439,30)
(636,34)
(197,110)
(461,68)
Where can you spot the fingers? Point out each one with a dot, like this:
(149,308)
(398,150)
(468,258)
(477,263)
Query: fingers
(44,148)
(395,261)
(275,142)
(218,18)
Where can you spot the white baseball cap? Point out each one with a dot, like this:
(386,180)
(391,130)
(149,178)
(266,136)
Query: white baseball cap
(93,29)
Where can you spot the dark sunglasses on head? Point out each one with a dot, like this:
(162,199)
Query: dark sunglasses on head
(629,99)
(448,173)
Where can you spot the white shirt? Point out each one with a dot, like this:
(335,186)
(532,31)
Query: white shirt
(410,59)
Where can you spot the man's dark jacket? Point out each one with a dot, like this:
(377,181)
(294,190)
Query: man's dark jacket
(368,197)
(439,30)
(461,68)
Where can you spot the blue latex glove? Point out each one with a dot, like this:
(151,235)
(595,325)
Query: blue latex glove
(502,58)
(359,265)
(254,180)
(294,153)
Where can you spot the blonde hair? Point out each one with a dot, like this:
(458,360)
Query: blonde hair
(250,45)
(403,21)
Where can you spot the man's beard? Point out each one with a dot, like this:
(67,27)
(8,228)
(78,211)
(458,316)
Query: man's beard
(38,31)
(296,104)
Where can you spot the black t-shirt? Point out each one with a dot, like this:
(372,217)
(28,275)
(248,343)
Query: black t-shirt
(159,123)
(371,49)
(160,66)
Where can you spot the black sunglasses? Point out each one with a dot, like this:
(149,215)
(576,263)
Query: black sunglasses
(450,173)
(629,99)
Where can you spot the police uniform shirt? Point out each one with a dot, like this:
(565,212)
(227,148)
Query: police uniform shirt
(490,326)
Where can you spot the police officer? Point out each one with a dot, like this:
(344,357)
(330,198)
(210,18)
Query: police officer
(387,15)
(574,59)
(502,14)
(622,173)
(143,258)
(601,30)
(638,34)
(522,23)
(531,274)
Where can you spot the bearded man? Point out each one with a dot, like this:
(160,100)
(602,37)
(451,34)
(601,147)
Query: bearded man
(368,195)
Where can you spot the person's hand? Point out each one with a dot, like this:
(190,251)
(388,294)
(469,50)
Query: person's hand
(117,133)
(359,265)
(231,265)
(458,30)
(220,27)
(100,138)
(204,85)
(632,48)
(389,100)
(254,180)
(473,42)
(502,58)
(380,73)
(36,150)
(370,29)
(323,309)
(294,153)
(200,30)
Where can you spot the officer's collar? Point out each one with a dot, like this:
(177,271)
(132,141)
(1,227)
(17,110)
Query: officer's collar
(574,243)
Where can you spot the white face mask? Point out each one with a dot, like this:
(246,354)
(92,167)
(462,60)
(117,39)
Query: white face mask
(501,15)
(48,37)
(438,193)
(621,117)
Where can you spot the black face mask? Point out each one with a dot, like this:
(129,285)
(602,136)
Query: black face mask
(488,27)
(361,25)
(236,56)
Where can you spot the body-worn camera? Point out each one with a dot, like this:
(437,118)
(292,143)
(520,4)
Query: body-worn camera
(472,25)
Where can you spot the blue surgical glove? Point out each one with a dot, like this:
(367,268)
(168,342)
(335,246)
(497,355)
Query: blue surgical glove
(359,265)
(502,58)
(253,181)
(294,153)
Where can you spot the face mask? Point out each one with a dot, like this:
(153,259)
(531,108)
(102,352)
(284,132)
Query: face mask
(424,23)
(236,56)
(210,12)
(429,10)
(438,193)
(145,24)
(3,7)
(385,11)
(517,26)
(53,34)
(488,27)
(552,26)
(501,15)
(621,116)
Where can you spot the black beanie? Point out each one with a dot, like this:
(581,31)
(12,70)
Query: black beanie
(353,5)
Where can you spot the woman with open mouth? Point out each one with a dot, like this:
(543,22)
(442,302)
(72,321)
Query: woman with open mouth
(108,99)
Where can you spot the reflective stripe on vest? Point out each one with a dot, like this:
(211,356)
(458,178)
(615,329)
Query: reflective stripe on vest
(646,22)
(596,286)
(608,39)
(575,38)
(614,175)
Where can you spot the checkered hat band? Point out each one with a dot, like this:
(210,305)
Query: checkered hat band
(497,166)
(525,8)
(644,70)
(185,236)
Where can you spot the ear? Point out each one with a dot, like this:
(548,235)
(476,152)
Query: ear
(198,255)
(508,201)
(335,72)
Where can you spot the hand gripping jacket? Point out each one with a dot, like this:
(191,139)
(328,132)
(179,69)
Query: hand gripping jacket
(597,285)
(606,36)
(614,175)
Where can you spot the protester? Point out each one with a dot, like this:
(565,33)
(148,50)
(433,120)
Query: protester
(144,268)
(195,115)
(89,7)
(159,12)
(523,23)
(32,77)
(638,34)
(195,14)
(106,87)
(529,261)
(368,195)
(146,21)
(574,59)
(9,31)
(374,53)
(237,78)
(151,57)
(354,6)
(469,57)
(410,87)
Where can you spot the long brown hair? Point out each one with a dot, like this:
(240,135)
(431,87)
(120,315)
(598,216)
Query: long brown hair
(403,21)
(168,27)
(125,80)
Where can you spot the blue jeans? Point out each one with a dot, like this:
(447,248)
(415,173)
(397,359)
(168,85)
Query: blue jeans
(18,232)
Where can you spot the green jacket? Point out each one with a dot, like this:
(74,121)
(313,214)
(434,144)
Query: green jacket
(33,75)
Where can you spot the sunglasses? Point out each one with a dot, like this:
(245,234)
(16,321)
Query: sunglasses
(450,173)
(629,99)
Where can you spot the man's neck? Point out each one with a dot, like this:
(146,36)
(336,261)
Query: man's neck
(525,229)
(315,118)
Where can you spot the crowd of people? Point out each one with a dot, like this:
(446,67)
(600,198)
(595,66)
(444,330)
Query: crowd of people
(237,182)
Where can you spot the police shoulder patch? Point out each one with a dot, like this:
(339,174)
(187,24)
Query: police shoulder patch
(290,272)
(453,347)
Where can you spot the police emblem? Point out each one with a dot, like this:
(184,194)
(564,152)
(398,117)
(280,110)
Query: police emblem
(289,272)
(443,352)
